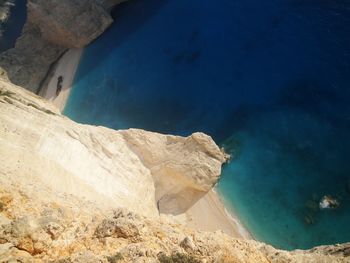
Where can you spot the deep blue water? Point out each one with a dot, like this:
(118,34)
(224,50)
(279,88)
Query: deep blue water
(13,27)
(268,80)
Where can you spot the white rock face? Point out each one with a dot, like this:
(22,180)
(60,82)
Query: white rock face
(140,170)
(184,169)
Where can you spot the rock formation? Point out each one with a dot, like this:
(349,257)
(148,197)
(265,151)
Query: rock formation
(62,185)
(80,193)
(132,168)
(180,170)
(52,27)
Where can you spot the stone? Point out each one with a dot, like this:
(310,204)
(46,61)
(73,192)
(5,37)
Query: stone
(329,202)
(187,244)
(54,230)
(178,185)
(117,228)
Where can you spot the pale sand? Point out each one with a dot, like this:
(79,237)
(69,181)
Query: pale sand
(209,214)
(65,67)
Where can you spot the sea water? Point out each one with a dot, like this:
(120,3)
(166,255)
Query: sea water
(11,29)
(268,80)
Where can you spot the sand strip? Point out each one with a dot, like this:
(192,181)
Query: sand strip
(209,214)
(65,67)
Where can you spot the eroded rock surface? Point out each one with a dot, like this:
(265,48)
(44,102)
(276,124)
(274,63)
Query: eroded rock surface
(183,169)
(51,28)
(64,228)
(132,168)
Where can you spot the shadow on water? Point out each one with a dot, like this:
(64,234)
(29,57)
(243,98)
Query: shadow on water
(320,99)
(132,16)
(234,122)
(169,118)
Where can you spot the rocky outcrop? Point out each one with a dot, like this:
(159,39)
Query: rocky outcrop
(70,24)
(140,170)
(40,225)
(62,186)
(51,28)
(180,167)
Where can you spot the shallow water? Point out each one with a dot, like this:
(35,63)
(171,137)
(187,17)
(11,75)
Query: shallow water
(269,81)
(11,30)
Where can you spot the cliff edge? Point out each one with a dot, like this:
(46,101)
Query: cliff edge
(146,172)
(80,193)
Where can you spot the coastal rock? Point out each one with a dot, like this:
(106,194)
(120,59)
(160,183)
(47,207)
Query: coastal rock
(62,186)
(123,224)
(328,202)
(184,169)
(187,244)
(51,28)
(81,220)
(131,168)
(73,23)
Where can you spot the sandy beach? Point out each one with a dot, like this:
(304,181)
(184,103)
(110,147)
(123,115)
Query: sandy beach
(65,67)
(208,214)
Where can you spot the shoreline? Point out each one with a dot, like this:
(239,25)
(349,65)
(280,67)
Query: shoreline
(66,67)
(208,214)
(211,214)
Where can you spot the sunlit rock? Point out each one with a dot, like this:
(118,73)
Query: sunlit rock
(328,202)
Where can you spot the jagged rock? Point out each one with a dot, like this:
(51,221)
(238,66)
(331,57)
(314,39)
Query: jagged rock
(120,226)
(329,202)
(187,244)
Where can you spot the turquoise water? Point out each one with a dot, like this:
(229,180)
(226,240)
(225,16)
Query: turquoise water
(269,81)
(11,30)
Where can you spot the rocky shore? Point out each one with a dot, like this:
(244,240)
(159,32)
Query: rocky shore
(79,193)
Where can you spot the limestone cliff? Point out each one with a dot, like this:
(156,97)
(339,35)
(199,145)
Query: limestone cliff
(62,185)
(51,28)
(119,168)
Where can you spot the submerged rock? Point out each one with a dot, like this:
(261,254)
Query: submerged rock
(233,147)
(309,219)
(312,205)
(328,202)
